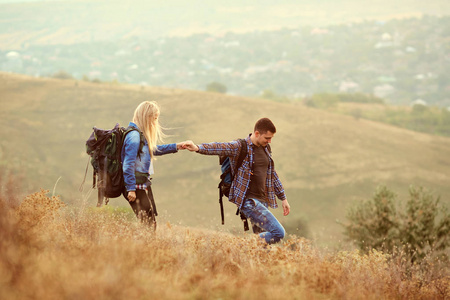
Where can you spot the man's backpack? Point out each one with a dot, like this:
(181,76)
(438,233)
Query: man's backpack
(105,149)
(227,176)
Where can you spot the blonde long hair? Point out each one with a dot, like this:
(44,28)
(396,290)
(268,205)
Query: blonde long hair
(146,118)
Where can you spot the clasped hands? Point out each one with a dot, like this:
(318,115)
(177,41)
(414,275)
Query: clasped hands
(189,145)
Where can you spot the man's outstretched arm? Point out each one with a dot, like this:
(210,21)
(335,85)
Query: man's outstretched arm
(215,148)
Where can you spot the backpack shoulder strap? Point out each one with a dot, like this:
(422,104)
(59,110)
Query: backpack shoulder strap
(242,155)
(141,136)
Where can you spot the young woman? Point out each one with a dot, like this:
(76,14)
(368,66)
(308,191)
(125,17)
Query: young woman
(138,152)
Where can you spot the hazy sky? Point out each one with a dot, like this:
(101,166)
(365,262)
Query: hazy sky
(19,1)
(75,21)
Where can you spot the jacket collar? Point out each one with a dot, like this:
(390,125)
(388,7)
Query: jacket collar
(133,125)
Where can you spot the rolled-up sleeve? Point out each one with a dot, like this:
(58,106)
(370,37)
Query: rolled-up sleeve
(279,190)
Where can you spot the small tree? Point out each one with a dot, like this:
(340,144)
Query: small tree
(62,75)
(426,225)
(356,113)
(216,87)
(268,94)
(422,227)
(373,224)
(322,100)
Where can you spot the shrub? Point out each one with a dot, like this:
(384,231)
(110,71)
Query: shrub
(422,227)
(426,225)
(323,100)
(271,95)
(356,113)
(373,224)
(216,87)
(268,94)
(62,75)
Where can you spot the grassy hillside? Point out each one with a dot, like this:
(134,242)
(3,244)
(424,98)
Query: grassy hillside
(51,251)
(67,22)
(326,161)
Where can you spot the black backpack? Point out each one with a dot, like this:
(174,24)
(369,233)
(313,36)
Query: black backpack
(105,149)
(226,178)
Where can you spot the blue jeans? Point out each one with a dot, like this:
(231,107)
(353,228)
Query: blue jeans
(259,214)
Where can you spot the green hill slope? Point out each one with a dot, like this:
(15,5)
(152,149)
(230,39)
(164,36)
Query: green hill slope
(326,161)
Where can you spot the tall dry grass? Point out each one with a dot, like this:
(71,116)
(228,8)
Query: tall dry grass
(51,251)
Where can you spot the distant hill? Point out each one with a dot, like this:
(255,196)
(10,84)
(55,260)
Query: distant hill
(387,59)
(326,161)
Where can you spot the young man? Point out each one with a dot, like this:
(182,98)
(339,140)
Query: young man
(256,182)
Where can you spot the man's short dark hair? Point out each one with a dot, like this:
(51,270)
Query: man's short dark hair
(263,125)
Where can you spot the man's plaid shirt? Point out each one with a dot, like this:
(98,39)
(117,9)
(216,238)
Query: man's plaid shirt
(241,181)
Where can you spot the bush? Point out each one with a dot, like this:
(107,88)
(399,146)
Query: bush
(216,87)
(268,94)
(422,227)
(62,75)
(323,100)
(426,225)
(271,95)
(373,224)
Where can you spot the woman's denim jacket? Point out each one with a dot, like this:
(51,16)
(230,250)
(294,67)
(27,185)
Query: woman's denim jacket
(132,163)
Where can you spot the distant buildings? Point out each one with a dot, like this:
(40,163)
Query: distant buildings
(398,61)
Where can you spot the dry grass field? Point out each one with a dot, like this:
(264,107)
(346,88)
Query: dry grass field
(49,250)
